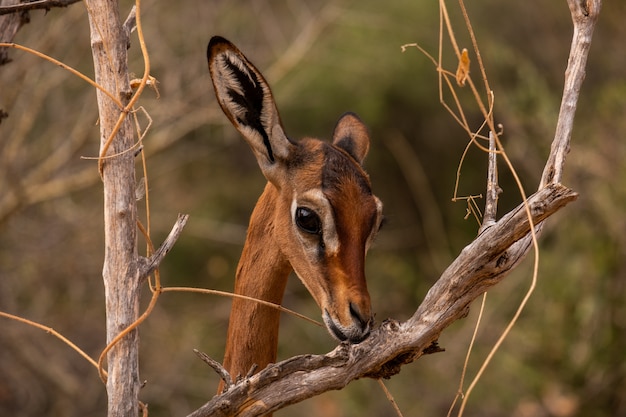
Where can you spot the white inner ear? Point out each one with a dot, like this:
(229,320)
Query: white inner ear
(317,201)
(227,81)
(228,74)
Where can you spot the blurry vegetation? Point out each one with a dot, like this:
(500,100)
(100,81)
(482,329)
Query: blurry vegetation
(564,358)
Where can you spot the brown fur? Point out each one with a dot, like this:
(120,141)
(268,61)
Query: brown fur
(326,179)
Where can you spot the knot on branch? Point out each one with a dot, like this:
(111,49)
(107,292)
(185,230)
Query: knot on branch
(394,366)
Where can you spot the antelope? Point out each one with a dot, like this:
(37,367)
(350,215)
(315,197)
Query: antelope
(317,216)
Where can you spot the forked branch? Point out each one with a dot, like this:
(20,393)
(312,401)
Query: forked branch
(479,266)
(482,264)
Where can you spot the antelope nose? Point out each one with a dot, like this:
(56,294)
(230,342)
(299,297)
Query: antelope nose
(360,320)
(355,332)
(361,325)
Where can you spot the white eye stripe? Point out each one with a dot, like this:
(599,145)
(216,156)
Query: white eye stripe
(317,201)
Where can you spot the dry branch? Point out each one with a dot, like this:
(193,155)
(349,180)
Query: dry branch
(153,262)
(485,262)
(35,5)
(9,25)
(584,16)
(482,264)
(217,367)
(493,189)
(15,14)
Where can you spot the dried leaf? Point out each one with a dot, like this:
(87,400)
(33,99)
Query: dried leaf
(462,71)
(150,82)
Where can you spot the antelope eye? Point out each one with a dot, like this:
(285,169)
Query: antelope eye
(308,220)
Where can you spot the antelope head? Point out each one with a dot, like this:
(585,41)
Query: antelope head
(319,209)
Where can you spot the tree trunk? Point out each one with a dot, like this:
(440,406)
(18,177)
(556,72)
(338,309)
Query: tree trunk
(120,271)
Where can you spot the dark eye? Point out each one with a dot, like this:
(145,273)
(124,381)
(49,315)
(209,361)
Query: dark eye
(308,220)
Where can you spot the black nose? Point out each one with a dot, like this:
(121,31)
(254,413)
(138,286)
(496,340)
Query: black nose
(363,323)
(357,331)
(358,318)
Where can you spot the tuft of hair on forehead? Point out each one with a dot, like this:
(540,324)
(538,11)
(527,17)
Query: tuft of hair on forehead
(339,169)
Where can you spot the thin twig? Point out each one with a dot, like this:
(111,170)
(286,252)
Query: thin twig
(34,5)
(242,297)
(584,16)
(53,332)
(507,330)
(217,367)
(252,370)
(390,398)
(459,393)
(155,260)
(64,66)
(151,265)
(130,24)
(493,189)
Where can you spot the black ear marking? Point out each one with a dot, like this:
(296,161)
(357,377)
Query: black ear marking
(246,99)
(347,144)
(249,101)
(242,91)
(352,136)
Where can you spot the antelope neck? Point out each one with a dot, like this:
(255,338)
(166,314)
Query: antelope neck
(262,273)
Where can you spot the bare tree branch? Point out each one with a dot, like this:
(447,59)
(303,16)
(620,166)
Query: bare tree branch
(153,262)
(35,5)
(479,266)
(14,15)
(482,264)
(493,189)
(130,24)
(9,25)
(217,367)
(584,16)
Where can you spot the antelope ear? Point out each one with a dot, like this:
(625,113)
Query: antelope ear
(351,135)
(246,99)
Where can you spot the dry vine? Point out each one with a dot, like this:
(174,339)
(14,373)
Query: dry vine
(117,136)
(486,261)
(500,246)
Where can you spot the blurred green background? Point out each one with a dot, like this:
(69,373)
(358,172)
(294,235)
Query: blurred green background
(566,356)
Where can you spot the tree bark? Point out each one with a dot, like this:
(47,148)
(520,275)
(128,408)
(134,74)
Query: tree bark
(584,17)
(121,263)
(9,25)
